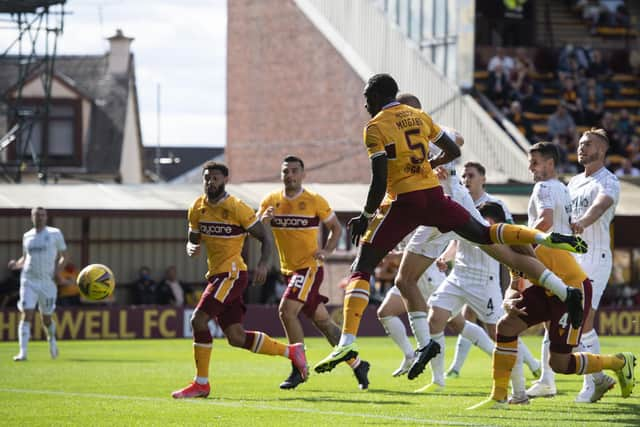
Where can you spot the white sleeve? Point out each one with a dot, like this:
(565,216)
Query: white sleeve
(543,198)
(610,187)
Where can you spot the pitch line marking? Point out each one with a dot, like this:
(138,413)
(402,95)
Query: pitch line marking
(242,404)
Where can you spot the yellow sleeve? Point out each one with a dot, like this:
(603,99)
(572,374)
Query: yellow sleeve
(194,215)
(374,141)
(245,215)
(323,210)
(433,130)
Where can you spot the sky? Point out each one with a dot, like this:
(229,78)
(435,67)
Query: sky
(179,45)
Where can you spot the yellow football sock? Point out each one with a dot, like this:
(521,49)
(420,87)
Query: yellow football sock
(588,363)
(354,362)
(202,356)
(264,344)
(504,358)
(512,234)
(356,300)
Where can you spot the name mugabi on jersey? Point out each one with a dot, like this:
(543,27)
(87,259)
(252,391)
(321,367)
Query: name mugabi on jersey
(403,134)
(223,227)
(584,190)
(295,226)
(41,251)
(551,194)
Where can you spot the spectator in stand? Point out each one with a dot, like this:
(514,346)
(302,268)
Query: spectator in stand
(625,127)
(609,125)
(173,291)
(601,71)
(146,289)
(499,89)
(627,169)
(592,101)
(634,58)
(581,55)
(523,56)
(10,287)
(520,121)
(562,130)
(571,100)
(592,12)
(522,85)
(68,291)
(500,58)
(622,18)
(633,150)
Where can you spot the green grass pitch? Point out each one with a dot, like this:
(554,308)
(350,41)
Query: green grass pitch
(129,383)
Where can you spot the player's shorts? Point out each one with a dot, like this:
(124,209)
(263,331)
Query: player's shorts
(428,282)
(304,286)
(222,298)
(541,307)
(598,268)
(395,219)
(41,293)
(485,301)
(429,242)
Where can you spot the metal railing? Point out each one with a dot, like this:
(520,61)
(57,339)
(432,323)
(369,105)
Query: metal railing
(362,34)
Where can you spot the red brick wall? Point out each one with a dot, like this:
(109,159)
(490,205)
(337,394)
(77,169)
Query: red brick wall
(290,92)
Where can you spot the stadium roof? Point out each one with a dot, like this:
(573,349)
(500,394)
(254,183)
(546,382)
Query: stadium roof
(177,197)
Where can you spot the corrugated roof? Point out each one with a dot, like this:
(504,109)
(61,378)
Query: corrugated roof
(177,197)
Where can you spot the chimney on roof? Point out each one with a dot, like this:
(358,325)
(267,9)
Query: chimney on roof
(119,52)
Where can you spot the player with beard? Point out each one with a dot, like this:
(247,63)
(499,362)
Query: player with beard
(295,215)
(221,222)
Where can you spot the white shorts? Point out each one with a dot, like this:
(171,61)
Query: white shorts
(453,294)
(428,282)
(42,294)
(599,273)
(430,242)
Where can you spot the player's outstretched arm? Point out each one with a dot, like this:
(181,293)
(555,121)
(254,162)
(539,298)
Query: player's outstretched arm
(258,231)
(599,206)
(450,151)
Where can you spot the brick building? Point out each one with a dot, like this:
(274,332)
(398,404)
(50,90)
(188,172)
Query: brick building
(290,92)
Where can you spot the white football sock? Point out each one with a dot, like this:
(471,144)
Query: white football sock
(478,336)
(548,376)
(346,339)
(50,331)
(201,380)
(527,357)
(518,387)
(553,283)
(590,343)
(462,351)
(24,334)
(437,363)
(420,327)
(396,330)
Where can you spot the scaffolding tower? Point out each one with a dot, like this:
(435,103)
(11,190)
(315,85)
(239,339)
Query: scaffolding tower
(38,25)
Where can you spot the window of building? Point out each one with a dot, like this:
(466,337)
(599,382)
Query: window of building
(54,138)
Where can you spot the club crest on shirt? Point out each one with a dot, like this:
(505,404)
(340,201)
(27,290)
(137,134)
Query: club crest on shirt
(302,205)
(225,214)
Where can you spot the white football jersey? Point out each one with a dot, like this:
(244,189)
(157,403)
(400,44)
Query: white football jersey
(584,190)
(472,266)
(452,185)
(41,250)
(551,194)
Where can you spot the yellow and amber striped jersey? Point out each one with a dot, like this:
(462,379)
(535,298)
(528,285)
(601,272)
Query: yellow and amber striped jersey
(295,226)
(223,227)
(403,134)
